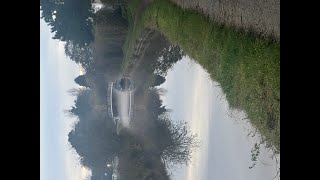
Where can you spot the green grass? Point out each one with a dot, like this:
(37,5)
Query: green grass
(247,67)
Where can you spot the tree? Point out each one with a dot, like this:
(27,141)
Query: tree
(161,55)
(81,54)
(111,30)
(158,80)
(81,81)
(94,135)
(82,104)
(70,20)
(95,142)
(175,141)
(48,10)
(154,106)
(112,19)
(168,57)
(111,2)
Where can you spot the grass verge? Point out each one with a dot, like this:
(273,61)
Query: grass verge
(246,67)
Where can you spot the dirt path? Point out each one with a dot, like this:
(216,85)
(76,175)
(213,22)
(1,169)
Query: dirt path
(263,16)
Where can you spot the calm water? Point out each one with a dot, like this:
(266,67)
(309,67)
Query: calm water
(225,151)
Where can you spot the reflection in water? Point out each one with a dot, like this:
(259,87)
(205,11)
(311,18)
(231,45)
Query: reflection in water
(225,151)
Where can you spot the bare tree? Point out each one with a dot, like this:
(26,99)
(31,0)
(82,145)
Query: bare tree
(177,142)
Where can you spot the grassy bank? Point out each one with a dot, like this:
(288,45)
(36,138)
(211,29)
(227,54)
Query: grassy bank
(247,67)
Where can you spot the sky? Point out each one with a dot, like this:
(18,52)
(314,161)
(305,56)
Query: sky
(57,73)
(225,147)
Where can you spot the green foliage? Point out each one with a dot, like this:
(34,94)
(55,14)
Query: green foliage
(110,33)
(110,2)
(71,22)
(94,135)
(137,161)
(48,10)
(81,80)
(255,154)
(69,19)
(168,57)
(94,142)
(154,104)
(82,104)
(112,19)
(158,80)
(81,54)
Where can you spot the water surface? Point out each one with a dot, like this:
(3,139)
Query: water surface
(225,151)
